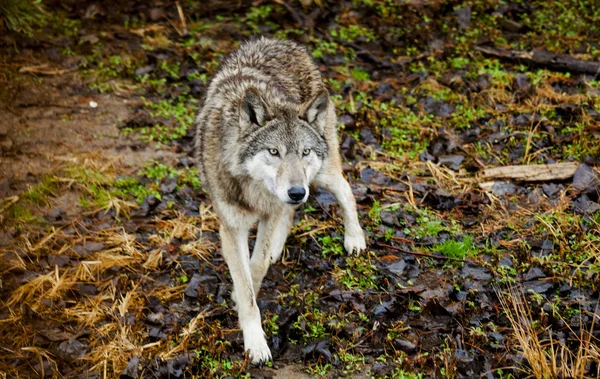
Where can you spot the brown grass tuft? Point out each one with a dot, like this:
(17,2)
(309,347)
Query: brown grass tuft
(548,358)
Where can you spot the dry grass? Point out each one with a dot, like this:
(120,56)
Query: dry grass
(548,358)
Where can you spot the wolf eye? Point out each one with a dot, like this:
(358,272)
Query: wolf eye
(305,152)
(274,152)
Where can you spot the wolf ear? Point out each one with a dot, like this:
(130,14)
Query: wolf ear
(253,109)
(316,113)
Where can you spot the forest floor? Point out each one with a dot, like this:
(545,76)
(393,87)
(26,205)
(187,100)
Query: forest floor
(110,261)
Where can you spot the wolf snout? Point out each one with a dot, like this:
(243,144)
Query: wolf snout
(297,193)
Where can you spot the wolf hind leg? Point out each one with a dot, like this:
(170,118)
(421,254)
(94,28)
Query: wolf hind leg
(270,239)
(235,250)
(332,180)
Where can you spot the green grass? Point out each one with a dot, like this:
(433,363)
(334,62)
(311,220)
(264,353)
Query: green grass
(453,248)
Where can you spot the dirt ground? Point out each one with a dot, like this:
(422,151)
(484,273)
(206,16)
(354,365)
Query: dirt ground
(110,263)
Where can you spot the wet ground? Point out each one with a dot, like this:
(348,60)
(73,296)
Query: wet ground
(110,257)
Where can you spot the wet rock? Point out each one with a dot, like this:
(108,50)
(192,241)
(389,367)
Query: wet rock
(552,189)
(470,135)
(384,307)
(55,215)
(425,156)
(72,350)
(155,318)
(131,371)
(437,108)
(144,70)
(522,84)
(390,218)
(169,186)
(360,191)
(58,260)
(176,365)
(348,146)
(583,205)
(88,248)
(368,175)
(484,82)
(152,200)
(318,349)
(451,161)
(404,345)
(464,361)
(503,188)
(346,120)
(586,179)
(537,286)
(191,290)
(156,334)
(463,16)
(368,137)
(87,289)
(325,199)
(534,273)
(397,268)
(474,271)
(505,261)
(384,91)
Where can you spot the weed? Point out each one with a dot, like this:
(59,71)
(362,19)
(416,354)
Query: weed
(456,249)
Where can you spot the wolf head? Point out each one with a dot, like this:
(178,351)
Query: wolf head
(284,147)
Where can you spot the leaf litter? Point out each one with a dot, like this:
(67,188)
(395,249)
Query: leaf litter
(112,268)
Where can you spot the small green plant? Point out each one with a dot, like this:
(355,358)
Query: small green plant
(456,249)
(331,246)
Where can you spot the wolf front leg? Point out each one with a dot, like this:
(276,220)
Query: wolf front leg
(234,242)
(270,238)
(333,181)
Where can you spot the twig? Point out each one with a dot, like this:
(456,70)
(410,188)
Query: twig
(558,62)
(181,17)
(419,254)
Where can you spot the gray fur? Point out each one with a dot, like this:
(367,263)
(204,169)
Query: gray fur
(267,125)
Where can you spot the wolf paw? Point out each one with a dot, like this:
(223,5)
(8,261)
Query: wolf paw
(355,242)
(258,348)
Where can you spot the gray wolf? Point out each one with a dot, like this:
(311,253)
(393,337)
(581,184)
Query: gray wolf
(265,132)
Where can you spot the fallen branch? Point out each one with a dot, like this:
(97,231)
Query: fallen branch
(532,173)
(419,254)
(557,62)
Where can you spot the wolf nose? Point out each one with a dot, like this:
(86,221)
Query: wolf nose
(296,193)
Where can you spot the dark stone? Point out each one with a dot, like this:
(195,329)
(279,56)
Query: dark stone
(72,350)
(551,189)
(437,108)
(537,286)
(131,371)
(55,214)
(534,273)
(398,267)
(586,179)
(404,345)
(169,186)
(346,120)
(144,70)
(368,137)
(503,188)
(522,84)
(463,16)
(583,205)
(87,289)
(451,161)
(472,270)
(384,91)
(58,260)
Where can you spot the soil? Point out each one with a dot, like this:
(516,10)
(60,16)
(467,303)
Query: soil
(110,263)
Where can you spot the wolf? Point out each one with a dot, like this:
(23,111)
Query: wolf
(265,132)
